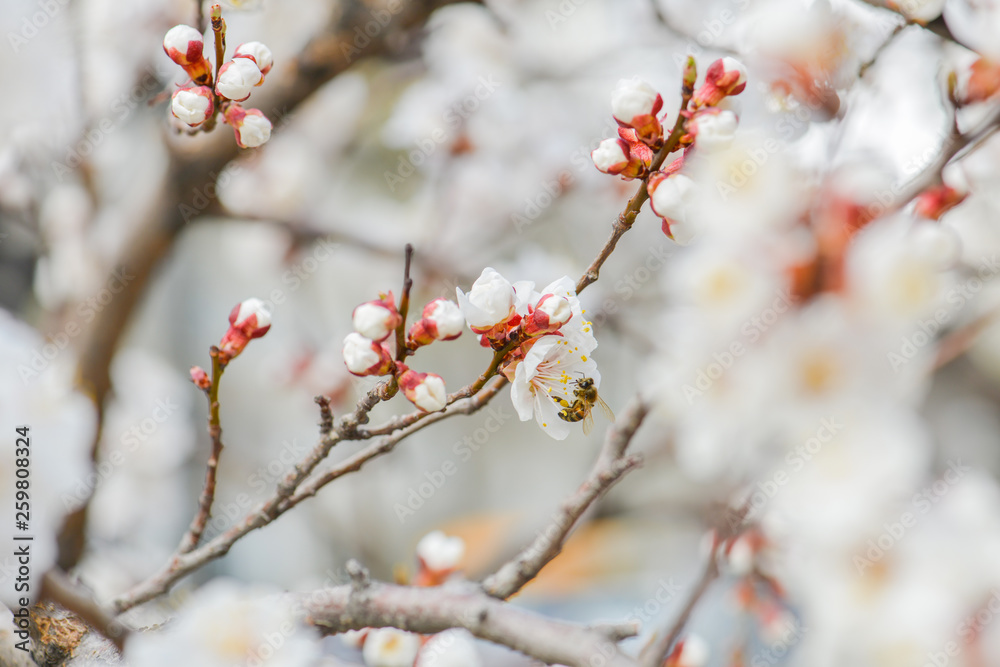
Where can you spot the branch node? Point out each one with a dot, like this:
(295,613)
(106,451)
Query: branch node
(360,580)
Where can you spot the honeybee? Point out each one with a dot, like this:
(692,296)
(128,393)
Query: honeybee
(580,409)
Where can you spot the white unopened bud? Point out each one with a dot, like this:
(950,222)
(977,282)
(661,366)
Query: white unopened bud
(192,105)
(376,319)
(251,126)
(489,302)
(610,156)
(424,390)
(451,648)
(715,131)
(237,78)
(260,54)
(633,97)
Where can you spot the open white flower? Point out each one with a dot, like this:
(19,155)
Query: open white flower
(554,363)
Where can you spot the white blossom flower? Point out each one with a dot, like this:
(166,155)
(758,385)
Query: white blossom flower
(553,364)
(251,126)
(237,78)
(228,625)
(389,647)
(439,552)
(451,648)
(488,303)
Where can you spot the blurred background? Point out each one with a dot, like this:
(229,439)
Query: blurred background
(466,130)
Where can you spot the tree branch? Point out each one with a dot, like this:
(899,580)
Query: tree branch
(611,465)
(435,609)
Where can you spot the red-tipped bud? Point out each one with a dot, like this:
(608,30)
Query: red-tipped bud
(424,390)
(550,313)
(377,319)
(248,320)
(625,156)
(200,378)
(251,126)
(726,76)
(635,104)
(441,320)
(186,47)
(193,105)
(363,356)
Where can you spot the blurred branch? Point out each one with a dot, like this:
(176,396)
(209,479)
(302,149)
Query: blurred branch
(612,464)
(326,56)
(57,588)
(937,26)
(435,609)
(727,526)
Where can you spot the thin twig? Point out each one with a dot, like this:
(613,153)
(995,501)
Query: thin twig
(611,465)
(656,650)
(404,306)
(200,520)
(325,416)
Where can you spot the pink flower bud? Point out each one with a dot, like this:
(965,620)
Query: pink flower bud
(186,47)
(193,105)
(237,78)
(251,126)
(726,76)
(635,104)
(260,54)
(377,319)
(364,356)
(200,378)
(442,320)
(548,315)
(424,390)
(248,320)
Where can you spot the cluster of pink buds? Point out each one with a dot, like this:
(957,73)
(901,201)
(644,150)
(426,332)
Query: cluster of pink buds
(635,106)
(197,103)
(367,351)
(490,309)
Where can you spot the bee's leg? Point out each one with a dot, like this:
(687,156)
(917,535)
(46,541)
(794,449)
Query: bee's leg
(562,401)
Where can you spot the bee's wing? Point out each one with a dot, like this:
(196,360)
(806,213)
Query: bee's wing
(588,422)
(606,409)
